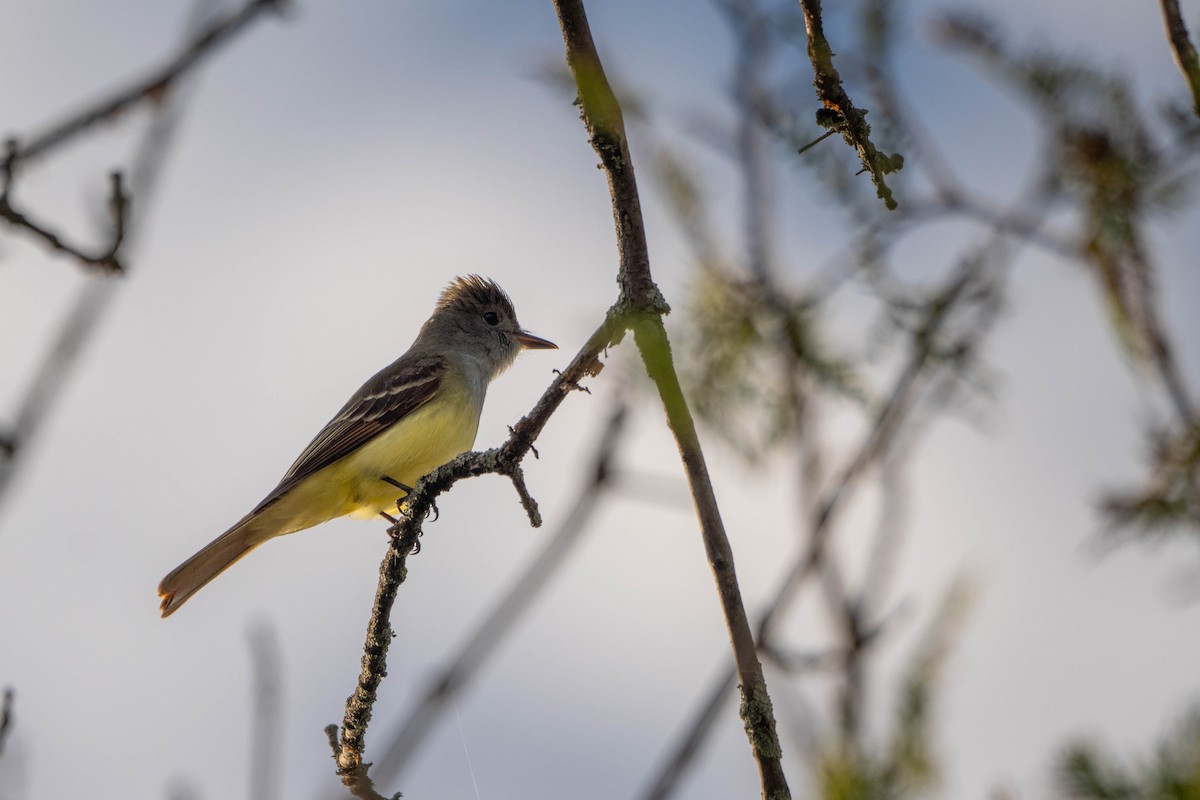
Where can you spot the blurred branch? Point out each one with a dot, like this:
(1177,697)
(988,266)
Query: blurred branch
(1102,157)
(695,731)
(460,669)
(266,733)
(1181,46)
(1085,771)
(925,349)
(6,716)
(839,113)
(152,88)
(92,303)
(106,260)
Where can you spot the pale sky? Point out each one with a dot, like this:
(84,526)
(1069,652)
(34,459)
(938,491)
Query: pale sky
(334,170)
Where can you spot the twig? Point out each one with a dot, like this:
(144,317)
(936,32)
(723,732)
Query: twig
(1185,53)
(459,671)
(106,260)
(839,113)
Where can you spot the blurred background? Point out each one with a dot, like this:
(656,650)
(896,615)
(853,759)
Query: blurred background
(983,402)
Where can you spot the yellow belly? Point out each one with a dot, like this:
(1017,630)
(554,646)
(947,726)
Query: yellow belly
(354,485)
(405,452)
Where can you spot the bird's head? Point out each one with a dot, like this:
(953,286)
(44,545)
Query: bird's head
(475,315)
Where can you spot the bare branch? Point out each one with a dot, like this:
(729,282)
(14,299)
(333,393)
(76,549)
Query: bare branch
(6,716)
(1185,53)
(459,671)
(266,735)
(602,115)
(155,86)
(104,261)
(503,460)
(156,89)
(92,303)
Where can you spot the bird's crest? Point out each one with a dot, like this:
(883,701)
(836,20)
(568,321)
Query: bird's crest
(473,292)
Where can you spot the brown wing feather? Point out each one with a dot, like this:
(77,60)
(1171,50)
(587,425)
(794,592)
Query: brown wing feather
(392,394)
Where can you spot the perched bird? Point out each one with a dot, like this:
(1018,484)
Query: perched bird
(414,415)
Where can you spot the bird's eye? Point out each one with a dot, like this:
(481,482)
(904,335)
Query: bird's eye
(491,317)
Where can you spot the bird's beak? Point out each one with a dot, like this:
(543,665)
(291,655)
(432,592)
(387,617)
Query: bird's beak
(531,342)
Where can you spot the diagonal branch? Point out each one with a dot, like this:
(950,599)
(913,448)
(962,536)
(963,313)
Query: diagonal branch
(153,87)
(504,460)
(459,671)
(602,115)
(1185,52)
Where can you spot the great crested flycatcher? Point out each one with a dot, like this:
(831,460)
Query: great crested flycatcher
(414,415)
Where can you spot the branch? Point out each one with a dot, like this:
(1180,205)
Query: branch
(459,671)
(152,88)
(266,725)
(1185,52)
(875,445)
(503,460)
(104,261)
(361,785)
(639,307)
(6,716)
(602,116)
(839,113)
(92,302)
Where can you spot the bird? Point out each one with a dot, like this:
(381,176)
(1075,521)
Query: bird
(412,416)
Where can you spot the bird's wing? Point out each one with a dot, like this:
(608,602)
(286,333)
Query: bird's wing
(394,393)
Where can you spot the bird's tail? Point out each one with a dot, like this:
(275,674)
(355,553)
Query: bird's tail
(216,557)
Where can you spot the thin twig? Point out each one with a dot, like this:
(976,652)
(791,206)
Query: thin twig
(105,260)
(839,113)
(1185,52)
